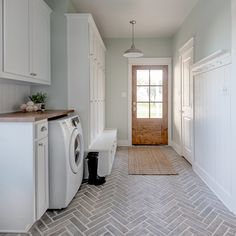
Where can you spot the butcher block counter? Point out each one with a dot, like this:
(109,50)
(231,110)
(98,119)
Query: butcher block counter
(33,116)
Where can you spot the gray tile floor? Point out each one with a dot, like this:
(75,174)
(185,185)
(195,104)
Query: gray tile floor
(142,205)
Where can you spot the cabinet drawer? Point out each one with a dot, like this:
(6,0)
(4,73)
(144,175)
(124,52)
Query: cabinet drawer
(41,130)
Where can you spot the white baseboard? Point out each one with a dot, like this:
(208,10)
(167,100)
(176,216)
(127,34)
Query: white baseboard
(225,197)
(123,143)
(176,147)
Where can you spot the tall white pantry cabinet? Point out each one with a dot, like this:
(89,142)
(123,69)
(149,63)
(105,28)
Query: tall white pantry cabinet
(86,74)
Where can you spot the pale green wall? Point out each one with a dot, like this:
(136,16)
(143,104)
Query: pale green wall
(210,25)
(209,22)
(117,77)
(57,92)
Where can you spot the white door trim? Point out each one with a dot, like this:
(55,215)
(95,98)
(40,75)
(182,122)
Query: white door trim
(149,61)
(186,48)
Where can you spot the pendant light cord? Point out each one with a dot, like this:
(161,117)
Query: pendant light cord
(132,33)
(132,22)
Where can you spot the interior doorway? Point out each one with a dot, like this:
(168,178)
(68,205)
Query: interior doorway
(186,112)
(149,104)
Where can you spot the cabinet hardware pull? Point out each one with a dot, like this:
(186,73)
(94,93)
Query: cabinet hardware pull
(40,144)
(43,129)
(33,74)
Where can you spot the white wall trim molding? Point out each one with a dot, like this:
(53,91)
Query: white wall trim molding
(214,186)
(187,46)
(176,147)
(149,61)
(123,143)
(212,62)
(213,160)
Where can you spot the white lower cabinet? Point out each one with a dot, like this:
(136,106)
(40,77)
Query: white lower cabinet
(23,174)
(41,161)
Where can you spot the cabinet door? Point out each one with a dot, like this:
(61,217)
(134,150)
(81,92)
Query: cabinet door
(92,74)
(16,37)
(40,40)
(41,165)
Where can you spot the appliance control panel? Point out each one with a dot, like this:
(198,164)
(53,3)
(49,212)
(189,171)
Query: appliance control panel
(75,121)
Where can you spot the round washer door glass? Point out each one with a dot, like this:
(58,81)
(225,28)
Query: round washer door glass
(76,151)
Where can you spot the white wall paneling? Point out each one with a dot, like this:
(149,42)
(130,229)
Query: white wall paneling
(12,95)
(212,124)
(233,99)
(148,61)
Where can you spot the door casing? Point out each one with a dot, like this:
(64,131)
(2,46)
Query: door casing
(148,61)
(188,48)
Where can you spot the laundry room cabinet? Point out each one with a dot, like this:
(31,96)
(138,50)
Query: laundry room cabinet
(86,88)
(23,174)
(25,41)
(41,168)
(86,74)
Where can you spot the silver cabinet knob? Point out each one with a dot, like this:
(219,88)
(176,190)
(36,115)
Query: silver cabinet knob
(43,129)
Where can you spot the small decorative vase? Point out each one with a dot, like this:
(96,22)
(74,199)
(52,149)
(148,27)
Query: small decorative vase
(43,107)
(39,105)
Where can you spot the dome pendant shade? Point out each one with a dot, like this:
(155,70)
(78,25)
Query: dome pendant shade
(133,51)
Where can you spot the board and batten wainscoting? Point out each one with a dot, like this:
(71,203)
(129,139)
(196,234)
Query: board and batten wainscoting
(12,95)
(233,95)
(212,77)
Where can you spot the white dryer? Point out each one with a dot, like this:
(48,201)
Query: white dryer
(66,160)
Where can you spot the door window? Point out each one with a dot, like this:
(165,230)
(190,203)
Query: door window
(149,98)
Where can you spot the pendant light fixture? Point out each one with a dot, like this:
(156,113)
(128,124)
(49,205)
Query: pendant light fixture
(133,51)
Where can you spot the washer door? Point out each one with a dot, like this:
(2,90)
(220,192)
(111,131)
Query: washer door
(76,151)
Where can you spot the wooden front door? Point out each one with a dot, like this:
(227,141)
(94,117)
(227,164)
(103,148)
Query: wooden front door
(150,105)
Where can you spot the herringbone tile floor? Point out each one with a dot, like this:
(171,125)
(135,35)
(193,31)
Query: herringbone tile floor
(142,205)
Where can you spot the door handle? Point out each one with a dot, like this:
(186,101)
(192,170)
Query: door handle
(134,106)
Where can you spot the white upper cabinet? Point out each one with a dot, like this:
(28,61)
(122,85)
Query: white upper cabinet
(16,37)
(40,44)
(25,40)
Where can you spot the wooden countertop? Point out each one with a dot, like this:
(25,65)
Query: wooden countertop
(33,116)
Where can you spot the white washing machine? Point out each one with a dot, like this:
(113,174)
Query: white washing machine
(66,159)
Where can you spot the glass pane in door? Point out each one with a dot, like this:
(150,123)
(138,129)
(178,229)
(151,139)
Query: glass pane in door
(143,94)
(156,77)
(156,110)
(142,110)
(156,94)
(142,77)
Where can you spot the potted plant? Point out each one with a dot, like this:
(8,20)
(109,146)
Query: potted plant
(39,100)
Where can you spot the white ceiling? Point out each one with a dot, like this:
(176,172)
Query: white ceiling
(155,18)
